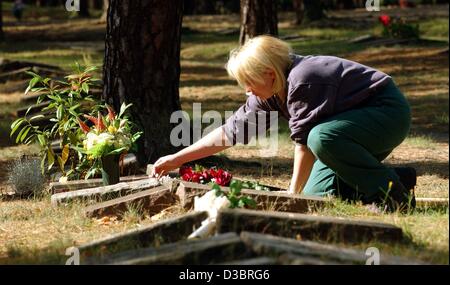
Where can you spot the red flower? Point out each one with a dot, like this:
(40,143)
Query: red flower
(212,173)
(206,175)
(83,126)
(222,177)
(186,173)
(92,119)
(385,20)
(185,170)
(111,114)
(196,177)
(101,125)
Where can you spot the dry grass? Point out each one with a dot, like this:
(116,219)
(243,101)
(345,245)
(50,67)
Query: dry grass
(34,231)
(426,231)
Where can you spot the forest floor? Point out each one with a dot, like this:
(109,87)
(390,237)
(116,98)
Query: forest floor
(31,231)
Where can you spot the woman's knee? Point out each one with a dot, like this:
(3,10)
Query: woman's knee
(319,140)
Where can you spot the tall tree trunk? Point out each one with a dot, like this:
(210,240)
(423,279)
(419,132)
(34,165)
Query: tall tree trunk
(299,9)
(2,35)
(314,10)
(205,7)
(348,4)
(142,67)
(105,11)
(360,3)
(258,17)
(84,9)
(97,4)
(231,6)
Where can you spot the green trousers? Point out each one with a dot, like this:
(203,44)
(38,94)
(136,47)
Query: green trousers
(350,146)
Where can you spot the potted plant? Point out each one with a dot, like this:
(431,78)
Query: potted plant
(107,141)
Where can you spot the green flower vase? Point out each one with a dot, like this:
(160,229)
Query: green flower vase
(110,169)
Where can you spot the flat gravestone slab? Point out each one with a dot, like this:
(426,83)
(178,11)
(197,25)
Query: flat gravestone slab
(306,227)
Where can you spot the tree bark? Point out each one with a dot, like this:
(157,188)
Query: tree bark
(347,4)
(204,7)
(299,9)
(258,17)
(314,10)
(97,4)
(142,66)
(2,34)
(84,9)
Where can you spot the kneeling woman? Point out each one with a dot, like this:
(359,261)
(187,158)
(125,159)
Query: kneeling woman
(344,118)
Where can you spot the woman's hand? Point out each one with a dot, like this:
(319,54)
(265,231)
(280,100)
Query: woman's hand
(165,164)
(291,189)
(210,144)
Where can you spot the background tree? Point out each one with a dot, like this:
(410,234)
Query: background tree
(84,9)
(299,9)
(347,4)
(314,10)
(97,4)
(258,17)
(199,7)
(2,35)
(142,67)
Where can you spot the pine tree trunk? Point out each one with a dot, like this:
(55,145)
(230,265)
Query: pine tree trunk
(204,7)
(348,4)
(258,17)
(84,9)
(142,67)
(299,8)
(314,10)
(97,4)
(2,35)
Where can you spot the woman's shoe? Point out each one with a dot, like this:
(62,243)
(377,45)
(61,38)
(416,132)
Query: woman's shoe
(407,175)
(398,198)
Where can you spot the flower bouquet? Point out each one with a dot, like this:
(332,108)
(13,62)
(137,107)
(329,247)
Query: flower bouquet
(398,28)
(201,175)
(106,141)
(204,176)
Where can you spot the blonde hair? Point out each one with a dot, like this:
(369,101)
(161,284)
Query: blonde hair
(248,63)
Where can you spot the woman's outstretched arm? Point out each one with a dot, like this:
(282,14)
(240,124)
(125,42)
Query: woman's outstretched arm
(210,144)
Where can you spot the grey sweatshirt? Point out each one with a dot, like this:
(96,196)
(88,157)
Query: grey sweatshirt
(317,87)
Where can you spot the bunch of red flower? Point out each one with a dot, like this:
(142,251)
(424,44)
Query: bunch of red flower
(203,176)
(385,20)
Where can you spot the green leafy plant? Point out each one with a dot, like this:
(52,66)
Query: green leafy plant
(246,184)
(65,100)
(234,196)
